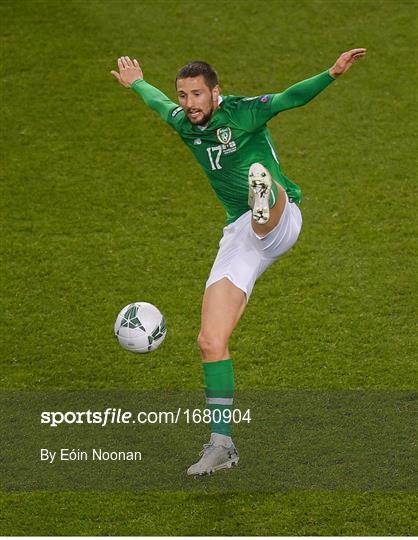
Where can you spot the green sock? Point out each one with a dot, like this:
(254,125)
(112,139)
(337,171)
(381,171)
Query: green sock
(219,390)
(274,194)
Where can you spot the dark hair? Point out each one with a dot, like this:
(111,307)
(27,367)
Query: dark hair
(196,68)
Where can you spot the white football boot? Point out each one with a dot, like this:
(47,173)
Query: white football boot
(259,188)
(214,457)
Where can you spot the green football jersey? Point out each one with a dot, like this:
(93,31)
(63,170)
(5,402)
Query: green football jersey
(235,137)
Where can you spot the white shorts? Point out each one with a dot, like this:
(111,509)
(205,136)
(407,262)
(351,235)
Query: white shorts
(243,256)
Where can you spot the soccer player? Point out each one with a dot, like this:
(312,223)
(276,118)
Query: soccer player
(229,138)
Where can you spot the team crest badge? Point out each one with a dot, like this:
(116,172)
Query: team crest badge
(224,135)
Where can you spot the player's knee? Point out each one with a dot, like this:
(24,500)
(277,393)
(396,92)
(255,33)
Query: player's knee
(211,345)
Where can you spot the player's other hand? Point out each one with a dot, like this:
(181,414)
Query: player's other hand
(129,71)
(345,61)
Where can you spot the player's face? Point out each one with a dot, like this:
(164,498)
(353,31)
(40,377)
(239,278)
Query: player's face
(197,99)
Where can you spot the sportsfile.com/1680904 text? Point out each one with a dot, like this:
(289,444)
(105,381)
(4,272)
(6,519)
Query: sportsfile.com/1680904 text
(119,416)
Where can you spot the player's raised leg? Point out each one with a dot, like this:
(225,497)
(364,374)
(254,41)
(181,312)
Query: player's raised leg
(223,305)
(266,198)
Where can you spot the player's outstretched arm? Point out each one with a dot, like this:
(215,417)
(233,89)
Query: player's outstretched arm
(302,92)
(130,75)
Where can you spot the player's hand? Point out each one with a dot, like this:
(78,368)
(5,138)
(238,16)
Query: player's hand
(345,61)
(129,71)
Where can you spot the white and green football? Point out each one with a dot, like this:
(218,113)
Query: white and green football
(140,327)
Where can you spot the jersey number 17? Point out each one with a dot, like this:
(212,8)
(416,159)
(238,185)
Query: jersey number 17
(214,154)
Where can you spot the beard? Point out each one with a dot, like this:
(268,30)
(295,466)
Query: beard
(204,120)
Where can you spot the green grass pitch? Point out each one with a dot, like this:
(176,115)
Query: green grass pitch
(93,217)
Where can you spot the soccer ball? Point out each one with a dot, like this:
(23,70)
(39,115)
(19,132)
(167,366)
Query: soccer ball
(140,327)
